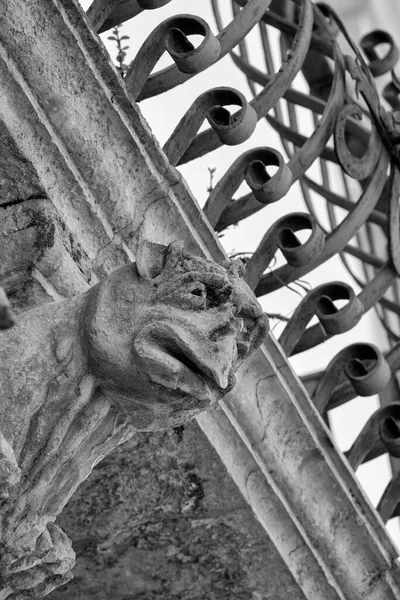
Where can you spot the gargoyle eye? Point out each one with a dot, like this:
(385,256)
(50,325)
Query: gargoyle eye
(198,291)
(197,295)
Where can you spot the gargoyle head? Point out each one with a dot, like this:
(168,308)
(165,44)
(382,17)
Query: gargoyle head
(165,335)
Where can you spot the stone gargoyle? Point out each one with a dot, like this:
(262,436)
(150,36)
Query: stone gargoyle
(151,346)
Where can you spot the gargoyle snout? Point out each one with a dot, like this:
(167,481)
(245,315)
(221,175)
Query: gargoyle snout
(253,333)
(227,326)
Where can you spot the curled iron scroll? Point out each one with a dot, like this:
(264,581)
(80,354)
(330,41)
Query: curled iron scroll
(266,188)
(379,66)
(172,36)
(389,434)
(372,293)
(321,302)
(389,431)
(244,21)
(358,168)
(275,88)
(230,129)
(339,236)
(375,431)
(282,236)
(345,392)
(391,92)
(362,364)
(276,185)
(187,58)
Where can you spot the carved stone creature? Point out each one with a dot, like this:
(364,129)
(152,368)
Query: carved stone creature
(164,338)
(149,347)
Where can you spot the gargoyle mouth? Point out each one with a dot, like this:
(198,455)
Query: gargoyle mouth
(224,383)
(243,349)
(193,366)
(198,369)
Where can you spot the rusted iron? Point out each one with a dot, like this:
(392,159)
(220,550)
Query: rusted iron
(282,236)
(388,505)
(123,10)
(230,129)
(340,236)
(321,302)
(378,428)
(389,433)
(362,364)
(358,168)
(267,189)
(170,77)
(368,43)
(391,92)
(171,36)
(275,88)
(369,296)
(99,10)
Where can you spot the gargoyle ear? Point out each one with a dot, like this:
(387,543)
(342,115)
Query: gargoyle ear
(234,267)
(174,253)
(150,259)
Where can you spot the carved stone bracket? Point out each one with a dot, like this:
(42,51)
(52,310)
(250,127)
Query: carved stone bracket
(150,347)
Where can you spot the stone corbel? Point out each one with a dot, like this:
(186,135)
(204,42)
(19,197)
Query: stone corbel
(150,347)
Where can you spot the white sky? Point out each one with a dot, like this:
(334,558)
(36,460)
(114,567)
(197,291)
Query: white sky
(164,112)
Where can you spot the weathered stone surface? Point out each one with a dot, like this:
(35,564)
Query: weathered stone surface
(160,519)
(18,178)
(149,347)
(37,247)
(7,318)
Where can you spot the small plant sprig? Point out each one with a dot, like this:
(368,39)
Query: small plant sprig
(115,37)
(211,171)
